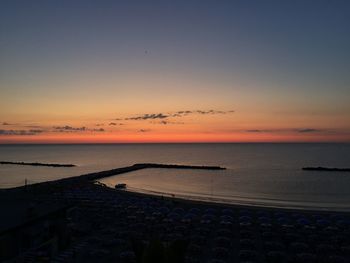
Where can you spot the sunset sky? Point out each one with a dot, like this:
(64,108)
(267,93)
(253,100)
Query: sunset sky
(174,71)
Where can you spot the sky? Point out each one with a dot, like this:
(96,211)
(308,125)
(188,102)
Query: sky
(174,71)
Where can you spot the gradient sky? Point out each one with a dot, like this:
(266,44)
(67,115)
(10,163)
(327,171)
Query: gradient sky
(174,71)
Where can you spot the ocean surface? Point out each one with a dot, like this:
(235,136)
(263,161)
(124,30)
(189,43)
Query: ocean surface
(257,174)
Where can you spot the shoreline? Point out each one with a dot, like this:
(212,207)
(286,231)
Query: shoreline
(92,178)
(88,217)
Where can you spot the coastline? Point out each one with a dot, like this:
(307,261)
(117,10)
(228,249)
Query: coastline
(86,211)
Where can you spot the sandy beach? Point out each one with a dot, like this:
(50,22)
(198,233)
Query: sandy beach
(77,220)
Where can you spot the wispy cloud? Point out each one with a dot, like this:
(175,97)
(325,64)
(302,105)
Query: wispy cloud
(202,112)
(297,130)
(21,132)
(257,131)
(154,116)
(149,117)
(68,128)
(115,124)
(308,130)
(166,122)
(97,130)
(144,130)
(5,123)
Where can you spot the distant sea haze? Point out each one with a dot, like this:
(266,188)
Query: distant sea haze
(261,174)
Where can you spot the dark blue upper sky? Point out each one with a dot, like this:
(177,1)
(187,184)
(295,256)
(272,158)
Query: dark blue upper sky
(282,54)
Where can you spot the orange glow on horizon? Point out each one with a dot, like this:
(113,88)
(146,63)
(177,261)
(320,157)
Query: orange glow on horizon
(149,137)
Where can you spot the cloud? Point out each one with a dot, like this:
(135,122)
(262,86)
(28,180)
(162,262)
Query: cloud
(149,117)
(144,130)
(210,112)
(202,112)
(309,130)
(99,124)
(6,123)
(21,132)
(115,124)
(254,131)
(33,126)
(166,122)
(98,130)
(68,128)
(181,113)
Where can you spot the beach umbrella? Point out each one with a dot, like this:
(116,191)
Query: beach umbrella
(246,243)
(164,210)
(275,256)
(225,223)
(205,221)
(262,214)
(179,210)
(188,217)
(280,214)
(324,249)
(282,220)
(336,217)
(180,229)
(150,218)
(245,218)
(156,214)
(227,211)
(127,256)
(223,232)
(226,218)
(245,234)
(174,216)
(331,229)
(195,211)
(220,252)
(288,228)
(168,220)
(303,221)
(343,223)
(322,222)
(247,254)
(264,220)
(298,247)
(198,239)
(210,211)
(337,259)
(246,214)
(223,242)
(274,246)
(245,225)
(203,230)
(194,249)
(305,257)
(208,217)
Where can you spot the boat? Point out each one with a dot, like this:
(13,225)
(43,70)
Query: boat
(120,186)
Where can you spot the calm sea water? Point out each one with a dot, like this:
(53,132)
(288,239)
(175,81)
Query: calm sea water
(262,174)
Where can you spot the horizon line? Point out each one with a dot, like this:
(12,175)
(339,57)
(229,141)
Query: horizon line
(112,143)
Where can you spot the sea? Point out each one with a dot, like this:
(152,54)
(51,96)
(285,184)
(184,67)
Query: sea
(262,174)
